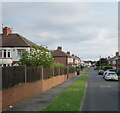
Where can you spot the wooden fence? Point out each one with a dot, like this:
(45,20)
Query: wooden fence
(12,76)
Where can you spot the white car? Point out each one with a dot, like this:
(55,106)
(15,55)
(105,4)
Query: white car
(108,75)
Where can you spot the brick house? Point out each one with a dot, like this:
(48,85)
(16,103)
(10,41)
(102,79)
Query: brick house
(60,56)
(65,58)
(114,61)
(12,47)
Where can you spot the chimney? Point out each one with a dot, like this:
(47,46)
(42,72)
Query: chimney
(108,57)
(59,48)
(6,31)
(73,55)
(117,54)
(68,53)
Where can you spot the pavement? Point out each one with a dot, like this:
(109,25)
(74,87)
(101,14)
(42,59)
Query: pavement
(42,100)
(101,95)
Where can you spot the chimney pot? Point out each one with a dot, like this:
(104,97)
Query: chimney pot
(117,53)
(6,31)
(73,55)
(59,48)
(68,53)
(108,57)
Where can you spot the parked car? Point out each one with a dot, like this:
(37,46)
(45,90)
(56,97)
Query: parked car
(111,70)
(109,75)
(100,72)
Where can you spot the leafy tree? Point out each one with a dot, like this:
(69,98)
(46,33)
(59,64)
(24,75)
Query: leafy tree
(102,62)
(38,56)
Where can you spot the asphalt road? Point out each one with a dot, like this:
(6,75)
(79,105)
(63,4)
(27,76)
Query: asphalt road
(101,95)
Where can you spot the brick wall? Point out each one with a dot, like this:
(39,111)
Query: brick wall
(62,60)
(22,92)
(49,83)
(19,93)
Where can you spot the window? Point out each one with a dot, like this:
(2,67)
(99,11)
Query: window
(0,53)
(4,53)
(20,52)
(4,64)
(114,62)
(70,59)
(8,53)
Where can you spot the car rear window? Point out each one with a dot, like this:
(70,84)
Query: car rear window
(112,73)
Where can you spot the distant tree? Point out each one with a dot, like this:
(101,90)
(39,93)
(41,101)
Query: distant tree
(38,56)
(102,62)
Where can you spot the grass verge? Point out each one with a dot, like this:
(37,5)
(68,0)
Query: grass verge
(71,98)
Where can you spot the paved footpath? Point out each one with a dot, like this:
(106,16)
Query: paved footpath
(42,100)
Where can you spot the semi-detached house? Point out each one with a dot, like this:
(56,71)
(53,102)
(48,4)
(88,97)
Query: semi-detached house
(114,61)
(64,58)
(12,47)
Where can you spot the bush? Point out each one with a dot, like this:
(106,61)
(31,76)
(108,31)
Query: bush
(106,67)
(72,69)
(57,65)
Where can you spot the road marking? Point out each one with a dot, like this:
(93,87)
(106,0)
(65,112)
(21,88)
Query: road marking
(105,86)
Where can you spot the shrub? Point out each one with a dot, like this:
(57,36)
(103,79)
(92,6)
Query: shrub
(106,67)
(57,65)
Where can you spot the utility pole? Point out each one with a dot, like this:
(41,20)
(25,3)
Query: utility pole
(100,61)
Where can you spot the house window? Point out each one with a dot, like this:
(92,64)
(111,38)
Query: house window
(8,53)
(4,53)
(114,62)
(0,53)
(4,65)
(70,60)
(19,52)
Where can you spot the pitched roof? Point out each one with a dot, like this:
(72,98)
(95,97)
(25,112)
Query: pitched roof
(14,40)
(114,58)
(58,53)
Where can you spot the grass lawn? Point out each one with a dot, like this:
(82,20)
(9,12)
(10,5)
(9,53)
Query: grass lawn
(87,71)
(71,98)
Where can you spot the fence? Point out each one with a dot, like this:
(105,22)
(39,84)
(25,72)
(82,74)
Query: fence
(12,76)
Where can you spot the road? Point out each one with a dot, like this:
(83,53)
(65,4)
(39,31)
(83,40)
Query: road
(101,95)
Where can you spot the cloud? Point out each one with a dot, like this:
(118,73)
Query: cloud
(85,29)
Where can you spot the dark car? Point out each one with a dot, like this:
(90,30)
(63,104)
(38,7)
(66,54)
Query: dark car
(100,72)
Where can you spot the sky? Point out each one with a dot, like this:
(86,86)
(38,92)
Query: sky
(86,29)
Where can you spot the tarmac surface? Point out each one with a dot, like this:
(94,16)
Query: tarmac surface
(101,95)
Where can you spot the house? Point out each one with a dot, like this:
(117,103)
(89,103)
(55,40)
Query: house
(12,47)
(114,61)
(65,58)
(60,56)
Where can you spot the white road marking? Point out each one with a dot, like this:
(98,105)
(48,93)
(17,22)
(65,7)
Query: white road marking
(105,86)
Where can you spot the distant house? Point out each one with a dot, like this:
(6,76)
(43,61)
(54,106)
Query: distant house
(12,47)
(65,58)
(60,56)
(114,61)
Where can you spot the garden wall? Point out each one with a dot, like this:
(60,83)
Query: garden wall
(24,91)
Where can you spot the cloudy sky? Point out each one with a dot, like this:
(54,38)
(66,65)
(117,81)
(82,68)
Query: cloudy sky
(87,30)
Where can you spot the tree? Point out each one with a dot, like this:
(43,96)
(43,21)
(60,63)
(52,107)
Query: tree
(38,56)
(102,62)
